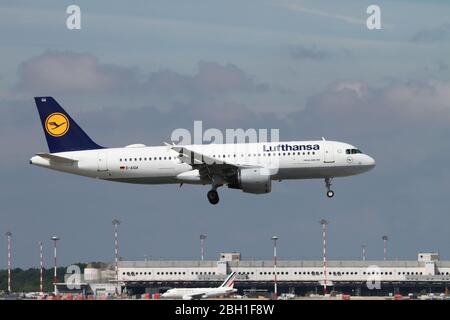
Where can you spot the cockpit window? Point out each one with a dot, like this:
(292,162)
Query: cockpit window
(352,151)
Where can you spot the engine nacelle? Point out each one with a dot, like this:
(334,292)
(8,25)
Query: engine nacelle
(257,180)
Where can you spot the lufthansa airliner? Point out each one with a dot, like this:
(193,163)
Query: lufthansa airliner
(250,167)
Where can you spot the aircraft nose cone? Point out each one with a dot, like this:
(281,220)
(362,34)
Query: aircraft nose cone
(370,162)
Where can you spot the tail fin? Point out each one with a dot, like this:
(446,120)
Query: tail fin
(61,131)
(229,281)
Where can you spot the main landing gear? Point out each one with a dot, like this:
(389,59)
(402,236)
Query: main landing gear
(330,193)
(213,195)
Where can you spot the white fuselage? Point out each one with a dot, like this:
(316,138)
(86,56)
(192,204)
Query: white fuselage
(199,293)
(161,165)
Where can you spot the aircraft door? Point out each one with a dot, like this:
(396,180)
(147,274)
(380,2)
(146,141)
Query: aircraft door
(102,161)
(328,156)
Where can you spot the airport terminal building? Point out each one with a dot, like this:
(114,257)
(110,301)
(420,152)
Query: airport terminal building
(426,274)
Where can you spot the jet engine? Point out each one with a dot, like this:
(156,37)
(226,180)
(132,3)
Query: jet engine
(254,180)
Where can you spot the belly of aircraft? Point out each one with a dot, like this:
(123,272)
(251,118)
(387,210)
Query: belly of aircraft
(314,172)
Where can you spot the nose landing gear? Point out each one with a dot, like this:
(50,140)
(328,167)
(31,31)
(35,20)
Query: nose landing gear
(330,193)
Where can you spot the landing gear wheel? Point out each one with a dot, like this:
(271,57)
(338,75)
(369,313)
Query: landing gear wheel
(213,197)
(330,193)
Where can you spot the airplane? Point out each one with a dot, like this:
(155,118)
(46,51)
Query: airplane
(33,295)
(226,288)
(250,167)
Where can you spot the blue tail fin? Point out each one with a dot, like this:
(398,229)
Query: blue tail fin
(61,131)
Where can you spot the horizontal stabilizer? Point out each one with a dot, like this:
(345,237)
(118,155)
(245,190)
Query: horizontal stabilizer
(56,158)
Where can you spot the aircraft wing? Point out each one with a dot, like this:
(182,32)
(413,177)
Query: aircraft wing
(195,158)
(207,165)
(56,158)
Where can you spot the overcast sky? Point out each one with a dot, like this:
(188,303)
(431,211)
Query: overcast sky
(135,72)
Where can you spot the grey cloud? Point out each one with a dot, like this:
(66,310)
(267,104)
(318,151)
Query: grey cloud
(309,52)
(69,72)
(437,34)
(411,101)
(211,78)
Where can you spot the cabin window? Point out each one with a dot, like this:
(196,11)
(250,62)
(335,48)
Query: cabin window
(164,158)
(160,158)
